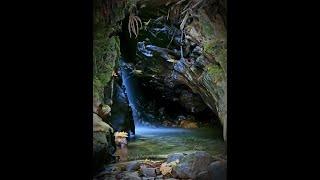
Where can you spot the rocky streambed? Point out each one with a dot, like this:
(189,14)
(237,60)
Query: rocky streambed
(189,165)
(193,154)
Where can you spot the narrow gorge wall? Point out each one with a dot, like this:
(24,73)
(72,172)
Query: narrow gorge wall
(108,15)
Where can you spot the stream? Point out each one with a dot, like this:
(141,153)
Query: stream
(157,143)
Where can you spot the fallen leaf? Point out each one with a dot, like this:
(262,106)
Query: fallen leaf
(165,169)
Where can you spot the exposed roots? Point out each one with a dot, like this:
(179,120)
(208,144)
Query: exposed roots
(133,25)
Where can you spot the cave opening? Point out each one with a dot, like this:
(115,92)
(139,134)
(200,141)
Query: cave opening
(161,67)
(144,73)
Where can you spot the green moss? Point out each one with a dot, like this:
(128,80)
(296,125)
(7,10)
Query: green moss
(98,89)
(216,48)
(115,14)
(208,47)
(221,57)
(119,14)
(131,4)
(212,47)
(206,25)
(97,16)
(214,69)
(207,28)
(106,52)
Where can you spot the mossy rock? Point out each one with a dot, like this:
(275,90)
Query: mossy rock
(97,89)
(214,70)
(106,54)
(207,28)
(191,164)
(216,49)
(103,143)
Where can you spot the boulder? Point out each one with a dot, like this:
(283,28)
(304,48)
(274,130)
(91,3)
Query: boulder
(218,170)
(148,178)
(125,175)
(131,176)
(160,177)
(204,175)
(148,172)
(190,164)
(133,166)
(103,143)
(175,156)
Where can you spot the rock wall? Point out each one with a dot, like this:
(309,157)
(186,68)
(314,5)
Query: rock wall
(108,15)
(207,73)
(106,53)
(103,138)
(121,114)
(103,143)
(202,64)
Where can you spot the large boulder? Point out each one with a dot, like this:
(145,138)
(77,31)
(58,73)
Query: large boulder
(218,170)
(131,176)
(103,143)
(190,164)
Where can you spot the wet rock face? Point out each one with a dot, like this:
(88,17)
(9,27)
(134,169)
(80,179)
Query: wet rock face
(121,113)
(203,67)
(192,102)
(106,52)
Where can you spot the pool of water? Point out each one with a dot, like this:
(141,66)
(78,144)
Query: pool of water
(155,143)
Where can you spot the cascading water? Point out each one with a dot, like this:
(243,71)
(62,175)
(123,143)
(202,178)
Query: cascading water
(134,97)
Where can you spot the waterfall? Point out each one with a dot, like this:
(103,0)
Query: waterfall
(131,90)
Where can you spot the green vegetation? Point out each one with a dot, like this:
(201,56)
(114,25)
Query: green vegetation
(207,28)
(216,48)
(214,70)
(106,52)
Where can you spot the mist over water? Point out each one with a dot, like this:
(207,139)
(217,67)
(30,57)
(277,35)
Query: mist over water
(146,130)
